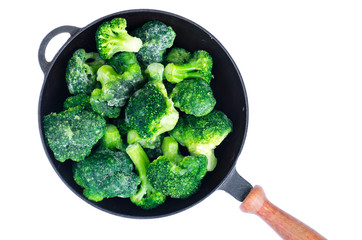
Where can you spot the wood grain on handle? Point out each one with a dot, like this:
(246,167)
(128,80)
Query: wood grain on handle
(284,224)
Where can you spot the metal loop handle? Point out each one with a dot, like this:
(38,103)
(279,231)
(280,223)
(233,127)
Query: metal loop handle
(44,64)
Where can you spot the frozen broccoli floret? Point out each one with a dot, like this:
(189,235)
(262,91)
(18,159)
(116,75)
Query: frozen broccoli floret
(146,197)
(177,56)
(112,37)
(116,88)
(175,175)
(201,135)
(81,71)
(155,71)
(150,143)
(106,174)
(193,96)
(101,106)
(156,38)
(127,62)
(81,100)
(150,112)
(199,66)
(72,133)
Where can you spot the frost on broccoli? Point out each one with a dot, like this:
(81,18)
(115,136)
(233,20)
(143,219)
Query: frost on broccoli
(157,37)
(81,71)
(175,175)
(199,66)
(116,88)
(72,133)
(193,96)
(112,37)
(146,197)
(201,135)
(101,106)
(106,174)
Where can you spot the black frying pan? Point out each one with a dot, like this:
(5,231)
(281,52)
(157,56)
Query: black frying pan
(228,89)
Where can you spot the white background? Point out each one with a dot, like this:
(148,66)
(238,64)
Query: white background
(302,66)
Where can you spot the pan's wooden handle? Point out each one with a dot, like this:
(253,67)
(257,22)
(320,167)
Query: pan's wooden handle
(284,224)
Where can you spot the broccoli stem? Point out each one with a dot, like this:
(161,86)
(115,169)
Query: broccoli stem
(170,149)
(176,73)
(146,197)
(133,137)
(187,67)
(194,74)
(169,121)
(210,154)
(155,71)
(143,191)
(126,43)
(140,160)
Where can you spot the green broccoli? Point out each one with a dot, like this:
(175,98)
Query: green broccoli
(149,111)
(81,99)
(72,133)
(201,135)
(193,96)
(153,153)
(127,62)
(121,125)
(101,106)
(199,66)
(174,175)
(116,88)
(177,56)
(156,38)
(112,139)
(146,197)
(112,37)
(106,174)
(80,74)
(122,60)
(151,143)
(131,136)
(154,71)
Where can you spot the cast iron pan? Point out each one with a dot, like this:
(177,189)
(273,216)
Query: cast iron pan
(231,98)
